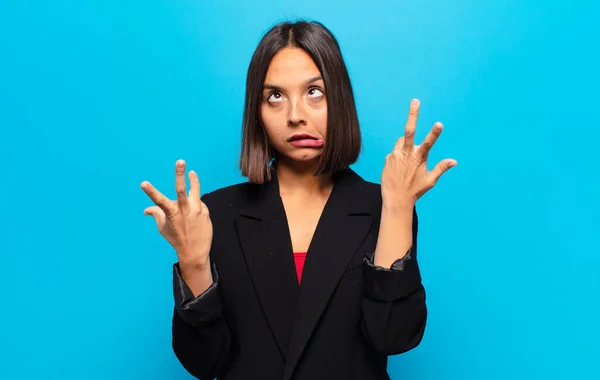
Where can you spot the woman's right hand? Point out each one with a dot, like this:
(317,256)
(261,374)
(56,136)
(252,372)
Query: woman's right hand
(185,223)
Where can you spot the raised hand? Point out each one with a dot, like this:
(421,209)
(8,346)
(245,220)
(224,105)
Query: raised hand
(185,223)
(405,177)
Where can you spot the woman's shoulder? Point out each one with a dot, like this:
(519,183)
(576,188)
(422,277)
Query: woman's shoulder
(228,195)
(360,185)
(350,185)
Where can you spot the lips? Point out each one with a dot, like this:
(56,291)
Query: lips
(303,140)
(302,136)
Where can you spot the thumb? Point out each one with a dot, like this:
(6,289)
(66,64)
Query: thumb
(442,167)
(156,213)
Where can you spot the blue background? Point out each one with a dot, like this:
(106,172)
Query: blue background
(97,96)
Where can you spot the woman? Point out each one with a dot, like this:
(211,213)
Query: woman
(306,271)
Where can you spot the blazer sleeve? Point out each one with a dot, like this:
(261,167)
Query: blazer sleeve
(201,338)
(394,311)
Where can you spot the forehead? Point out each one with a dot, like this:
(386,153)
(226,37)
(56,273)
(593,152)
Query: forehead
(290,66)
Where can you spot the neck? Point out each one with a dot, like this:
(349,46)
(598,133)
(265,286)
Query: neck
(298,178)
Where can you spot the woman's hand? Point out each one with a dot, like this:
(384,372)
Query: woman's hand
(184,222)
(405,177)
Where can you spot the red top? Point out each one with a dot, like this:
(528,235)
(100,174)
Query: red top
(299,258)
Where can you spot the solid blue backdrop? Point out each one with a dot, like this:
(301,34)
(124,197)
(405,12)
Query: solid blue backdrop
(97,96)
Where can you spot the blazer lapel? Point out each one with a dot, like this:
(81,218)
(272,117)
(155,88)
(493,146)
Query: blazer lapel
(265,239)
(344,224)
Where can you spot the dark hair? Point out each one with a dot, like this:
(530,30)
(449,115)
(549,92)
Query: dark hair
(343,131)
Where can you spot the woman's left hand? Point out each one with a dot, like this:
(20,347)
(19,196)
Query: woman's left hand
(405,176)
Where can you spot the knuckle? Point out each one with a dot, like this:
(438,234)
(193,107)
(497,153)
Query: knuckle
(194,209)
(205,210)
(172,213)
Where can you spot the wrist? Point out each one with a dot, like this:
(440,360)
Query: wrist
(401,206)
(197,274)
(194,265)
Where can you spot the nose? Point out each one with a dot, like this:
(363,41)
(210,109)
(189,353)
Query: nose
(296,113)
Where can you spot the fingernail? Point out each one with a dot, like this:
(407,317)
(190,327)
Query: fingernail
(414,102)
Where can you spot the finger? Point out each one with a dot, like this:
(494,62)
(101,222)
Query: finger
(180,185)
(156,213)
(157,197)
(411,125)
(194,186)
(399,143)
(442,167)
(430,139)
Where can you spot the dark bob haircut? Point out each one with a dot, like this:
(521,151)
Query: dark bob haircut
(343,139)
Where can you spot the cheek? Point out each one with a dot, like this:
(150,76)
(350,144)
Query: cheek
(272,124)
(321,122)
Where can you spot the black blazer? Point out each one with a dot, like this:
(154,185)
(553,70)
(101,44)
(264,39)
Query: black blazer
(257,322)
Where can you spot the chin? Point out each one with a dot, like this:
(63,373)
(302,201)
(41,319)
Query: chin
(306,156)
(303,157)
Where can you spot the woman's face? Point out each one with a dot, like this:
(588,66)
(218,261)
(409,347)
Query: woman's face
(294,107)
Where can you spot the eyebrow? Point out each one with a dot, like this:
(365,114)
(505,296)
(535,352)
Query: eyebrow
(273,87)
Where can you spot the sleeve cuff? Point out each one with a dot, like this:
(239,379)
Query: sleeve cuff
(397,265)
(201,310)
(391,284)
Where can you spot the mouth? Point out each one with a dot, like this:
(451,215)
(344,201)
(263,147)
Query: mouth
(303,140)
(301,136)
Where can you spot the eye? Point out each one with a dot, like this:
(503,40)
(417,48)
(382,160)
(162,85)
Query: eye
(275,97)
(315,92)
